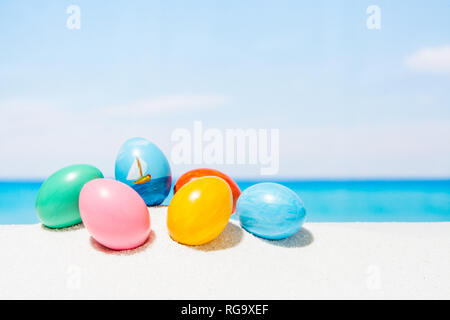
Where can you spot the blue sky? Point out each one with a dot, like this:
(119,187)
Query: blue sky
(349,101)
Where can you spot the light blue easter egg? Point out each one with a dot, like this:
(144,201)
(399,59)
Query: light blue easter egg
(270,211)
(141,165)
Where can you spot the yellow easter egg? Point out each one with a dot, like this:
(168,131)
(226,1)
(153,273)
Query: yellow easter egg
(199,211)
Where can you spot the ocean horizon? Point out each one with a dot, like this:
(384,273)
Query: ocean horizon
(325,200)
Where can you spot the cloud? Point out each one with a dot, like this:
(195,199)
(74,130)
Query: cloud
(433,60)
(37,138)
(165,105)
(372,150)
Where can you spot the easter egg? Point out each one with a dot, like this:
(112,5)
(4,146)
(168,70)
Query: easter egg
(141,165)
(199,211)
(270,210)
(114,214)
(197,173)
(57,199)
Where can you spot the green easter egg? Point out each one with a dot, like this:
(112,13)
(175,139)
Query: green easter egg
(57,200)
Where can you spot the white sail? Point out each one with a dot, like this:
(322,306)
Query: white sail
(134,172)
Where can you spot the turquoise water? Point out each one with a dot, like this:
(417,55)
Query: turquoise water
(325,201)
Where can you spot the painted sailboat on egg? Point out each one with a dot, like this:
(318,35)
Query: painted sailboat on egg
(136,160)
(135,173)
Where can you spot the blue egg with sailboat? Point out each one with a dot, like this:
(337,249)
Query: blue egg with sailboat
(143,166)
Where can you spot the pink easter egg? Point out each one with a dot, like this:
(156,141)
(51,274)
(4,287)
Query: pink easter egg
(114,214)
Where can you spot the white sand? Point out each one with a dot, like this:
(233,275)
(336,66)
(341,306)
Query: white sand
(325,260)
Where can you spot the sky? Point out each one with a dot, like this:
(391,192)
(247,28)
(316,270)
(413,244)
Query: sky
(348,101)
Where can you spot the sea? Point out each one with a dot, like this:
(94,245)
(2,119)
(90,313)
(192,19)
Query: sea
(324,200)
